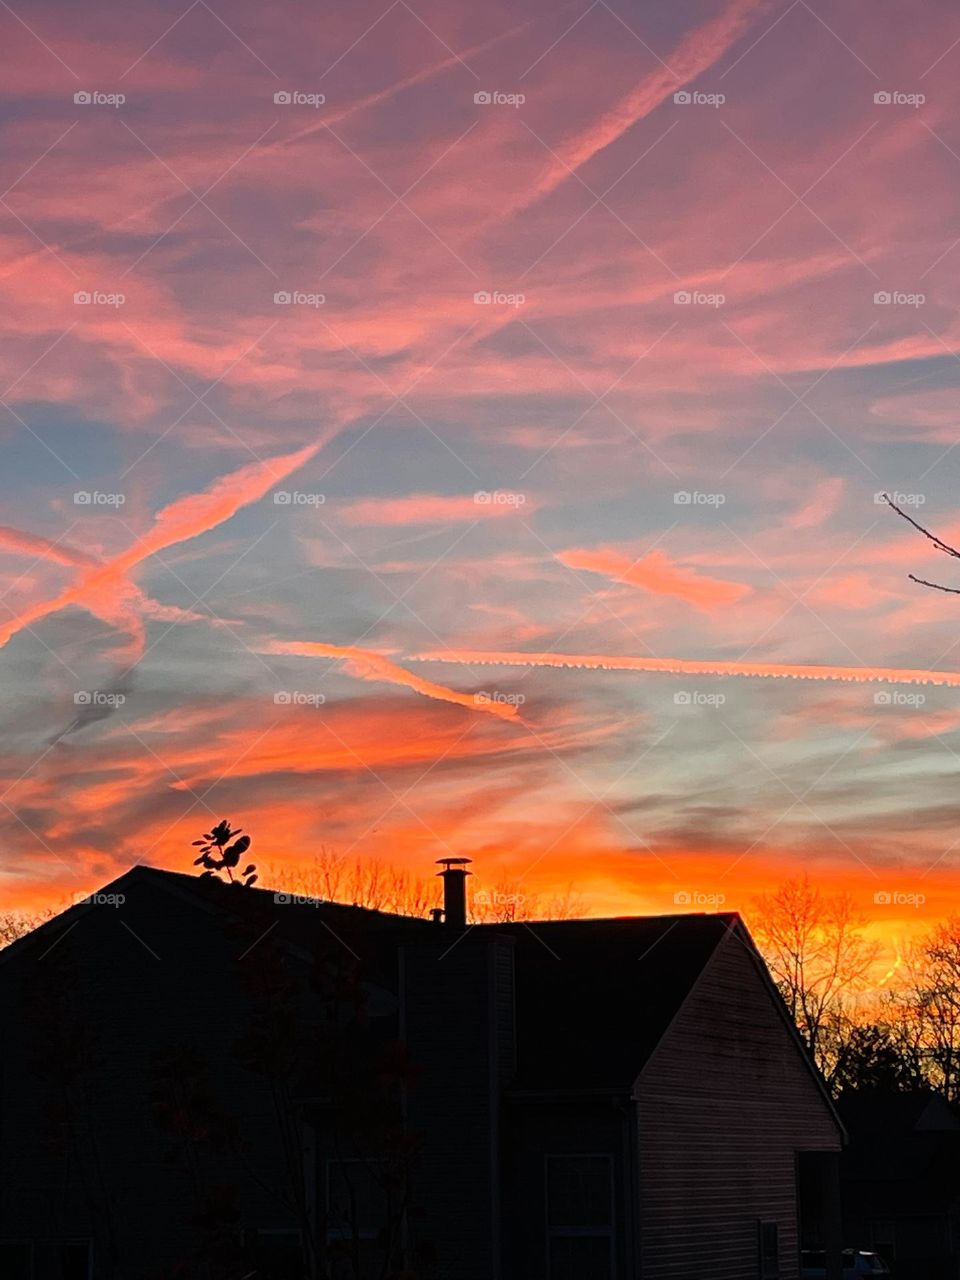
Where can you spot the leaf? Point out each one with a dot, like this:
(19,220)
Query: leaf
(197,861)
(251,881)
(231,856)
(247,870)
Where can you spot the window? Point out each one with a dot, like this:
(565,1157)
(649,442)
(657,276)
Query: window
(579,1211)
(360,1212)
(46,1259)
(768,1240)
(278,1252)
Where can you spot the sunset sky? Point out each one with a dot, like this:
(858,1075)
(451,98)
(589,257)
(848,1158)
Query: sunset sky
(439,370)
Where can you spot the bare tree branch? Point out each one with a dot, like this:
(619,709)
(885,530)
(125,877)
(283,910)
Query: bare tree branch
(937,542)
(954,591)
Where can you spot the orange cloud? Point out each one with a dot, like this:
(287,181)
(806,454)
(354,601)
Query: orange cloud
(105,590)
(374,666)
(655,572)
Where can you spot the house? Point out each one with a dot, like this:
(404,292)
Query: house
(900,1181)
(205,1080)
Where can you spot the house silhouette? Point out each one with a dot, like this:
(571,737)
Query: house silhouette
(201,1080)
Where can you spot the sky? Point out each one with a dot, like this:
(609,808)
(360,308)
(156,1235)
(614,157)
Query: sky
(438,429)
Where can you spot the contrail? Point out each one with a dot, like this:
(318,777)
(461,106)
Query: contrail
(366,664)
(693,666)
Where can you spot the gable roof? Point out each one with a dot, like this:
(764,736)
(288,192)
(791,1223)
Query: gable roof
(595,997)
(297,919)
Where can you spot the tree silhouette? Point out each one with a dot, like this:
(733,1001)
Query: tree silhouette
(217,840)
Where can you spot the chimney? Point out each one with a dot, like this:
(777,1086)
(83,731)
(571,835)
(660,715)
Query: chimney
(454,876)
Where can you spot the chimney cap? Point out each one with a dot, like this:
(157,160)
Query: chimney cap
(453,864)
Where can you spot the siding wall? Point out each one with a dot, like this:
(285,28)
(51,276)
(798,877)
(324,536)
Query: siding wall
(725,1103)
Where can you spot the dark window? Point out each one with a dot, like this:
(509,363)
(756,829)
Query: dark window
(768,1235)
(16,1259)
(579,1194)
(46,1259)
(279,1253)
(360,1213)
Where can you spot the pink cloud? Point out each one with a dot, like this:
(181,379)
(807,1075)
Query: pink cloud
(655,572)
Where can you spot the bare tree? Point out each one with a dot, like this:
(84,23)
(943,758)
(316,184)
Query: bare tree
(928,1006)
(16,924)
(820,959)
(371,882)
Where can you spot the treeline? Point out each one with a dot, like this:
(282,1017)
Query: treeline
(865,1029)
